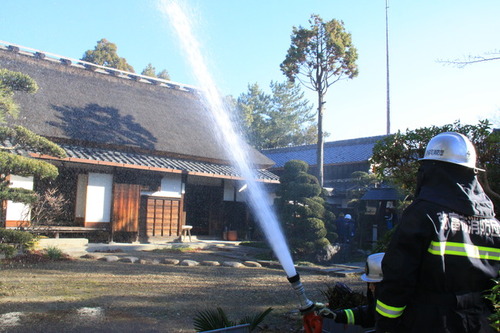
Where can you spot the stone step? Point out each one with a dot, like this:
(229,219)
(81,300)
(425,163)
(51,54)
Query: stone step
(61,243)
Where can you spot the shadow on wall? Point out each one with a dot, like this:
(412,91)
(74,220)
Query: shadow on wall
(102,124)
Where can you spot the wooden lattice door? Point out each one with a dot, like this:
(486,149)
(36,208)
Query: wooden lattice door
(163,216)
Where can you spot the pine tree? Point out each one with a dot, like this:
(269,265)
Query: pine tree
(164,75)
(149,71)
(302,211)
(318,57)
(105,54)
(282,118)
(17,141)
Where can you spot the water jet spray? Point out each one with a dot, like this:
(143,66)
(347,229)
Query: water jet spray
(238,155)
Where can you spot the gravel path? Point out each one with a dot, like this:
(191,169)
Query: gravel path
(93,295)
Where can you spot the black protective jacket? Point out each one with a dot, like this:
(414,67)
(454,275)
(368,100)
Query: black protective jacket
(443,256)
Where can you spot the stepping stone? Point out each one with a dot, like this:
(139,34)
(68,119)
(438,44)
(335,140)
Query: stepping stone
(149,262)
(252,264)
(189,263)
(343,271)
(234,264)
(130,259)
(90,256)
(171,261)
(111,258)
(210,263)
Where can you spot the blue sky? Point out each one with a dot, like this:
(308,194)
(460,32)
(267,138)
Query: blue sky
(245,41)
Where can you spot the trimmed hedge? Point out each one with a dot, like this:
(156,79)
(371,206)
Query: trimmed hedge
(12,241)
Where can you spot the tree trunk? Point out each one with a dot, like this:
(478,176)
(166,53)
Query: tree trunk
(320,147)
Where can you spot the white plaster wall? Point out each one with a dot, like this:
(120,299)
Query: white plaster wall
(99,197)
(231,188)
(17,211)
(171,186)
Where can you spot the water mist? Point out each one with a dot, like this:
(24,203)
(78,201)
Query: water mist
(236,148)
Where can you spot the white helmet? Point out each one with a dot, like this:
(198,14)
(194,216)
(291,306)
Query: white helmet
(373,268)
(348,216)
(453,148)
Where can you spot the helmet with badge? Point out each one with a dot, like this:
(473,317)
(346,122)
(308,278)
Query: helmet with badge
(451,147)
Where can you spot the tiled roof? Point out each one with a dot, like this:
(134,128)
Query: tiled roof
(131,160)
(335,152)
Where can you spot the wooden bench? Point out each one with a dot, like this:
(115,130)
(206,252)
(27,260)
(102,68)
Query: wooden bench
(57,230)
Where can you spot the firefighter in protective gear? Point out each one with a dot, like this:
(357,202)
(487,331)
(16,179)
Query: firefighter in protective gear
(446,251)
(363,315)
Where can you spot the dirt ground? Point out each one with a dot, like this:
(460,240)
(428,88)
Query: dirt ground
(91,295)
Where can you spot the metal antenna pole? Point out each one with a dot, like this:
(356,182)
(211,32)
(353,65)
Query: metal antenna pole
(387,64)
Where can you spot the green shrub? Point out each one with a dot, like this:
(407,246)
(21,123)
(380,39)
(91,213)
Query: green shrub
(20,240)
(494,297)
(259,245)
(7,250)
(384,241)
(54,253)
(303,213)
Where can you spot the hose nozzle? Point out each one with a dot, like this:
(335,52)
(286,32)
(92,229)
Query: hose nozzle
(306,305)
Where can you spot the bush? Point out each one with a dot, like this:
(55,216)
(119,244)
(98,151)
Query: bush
(7,250)
(259,245)
(494,297)
(54,253)
(49,208)
(340,296)
(16,239)
(303,213)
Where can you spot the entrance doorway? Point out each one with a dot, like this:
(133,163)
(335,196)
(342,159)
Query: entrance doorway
(204,209)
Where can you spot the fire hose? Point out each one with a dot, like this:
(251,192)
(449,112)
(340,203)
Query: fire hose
(313,323)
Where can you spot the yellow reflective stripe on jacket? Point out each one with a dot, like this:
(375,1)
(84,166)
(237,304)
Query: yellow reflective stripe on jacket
(350,316)
(389,311)
(465,250)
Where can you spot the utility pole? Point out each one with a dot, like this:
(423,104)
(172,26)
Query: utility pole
(387,65)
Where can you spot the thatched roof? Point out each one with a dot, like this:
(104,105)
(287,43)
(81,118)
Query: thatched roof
(105,108)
